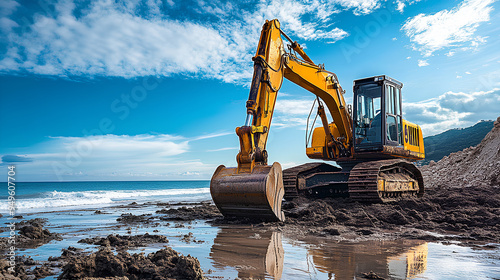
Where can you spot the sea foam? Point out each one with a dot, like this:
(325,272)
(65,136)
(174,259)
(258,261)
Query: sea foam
(57,199)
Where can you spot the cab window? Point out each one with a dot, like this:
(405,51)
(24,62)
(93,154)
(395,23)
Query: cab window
(368,115)
(393,115)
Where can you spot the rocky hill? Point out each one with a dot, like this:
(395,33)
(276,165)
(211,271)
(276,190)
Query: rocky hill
(453,140)
(477,166)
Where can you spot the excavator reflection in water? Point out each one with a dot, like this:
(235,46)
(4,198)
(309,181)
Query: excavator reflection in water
(259,255)
(370,140)
(399,259)
(255,254)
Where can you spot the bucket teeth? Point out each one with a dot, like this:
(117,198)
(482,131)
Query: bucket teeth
(257,195)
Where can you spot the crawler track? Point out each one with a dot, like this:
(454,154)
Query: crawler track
(315,179)
(384,181)
(372,181)
(290,179)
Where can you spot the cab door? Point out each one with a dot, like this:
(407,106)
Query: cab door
(393,130)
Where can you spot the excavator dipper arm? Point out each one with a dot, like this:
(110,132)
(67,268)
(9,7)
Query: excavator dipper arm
(255,189)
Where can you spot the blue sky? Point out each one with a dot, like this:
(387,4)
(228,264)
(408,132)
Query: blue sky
(153,90)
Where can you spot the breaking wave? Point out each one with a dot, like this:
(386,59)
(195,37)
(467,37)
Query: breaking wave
(57,199)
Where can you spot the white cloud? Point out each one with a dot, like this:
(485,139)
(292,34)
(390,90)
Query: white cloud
(401,4)
(224,149)
(454,28)
(110,38)
(290,122)
(453,110)
(211,135)
(290,13)
(107,40)
(286,165)
(294,106)
(361,7)
(292,113)
(7,7)
(107,146)
(422,63)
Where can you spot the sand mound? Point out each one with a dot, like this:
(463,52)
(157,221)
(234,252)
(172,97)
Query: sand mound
(477,166)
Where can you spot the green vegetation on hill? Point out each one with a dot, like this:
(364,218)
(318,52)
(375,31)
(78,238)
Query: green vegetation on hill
(454,140)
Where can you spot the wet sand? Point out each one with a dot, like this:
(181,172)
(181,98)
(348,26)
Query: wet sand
(316,242)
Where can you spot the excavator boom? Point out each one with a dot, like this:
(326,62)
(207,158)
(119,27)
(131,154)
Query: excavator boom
(254,189)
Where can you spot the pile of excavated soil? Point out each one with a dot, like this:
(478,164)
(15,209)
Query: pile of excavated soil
(473,214)
(161,265)
(477,166)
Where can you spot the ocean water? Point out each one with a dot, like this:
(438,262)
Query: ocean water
(32,197)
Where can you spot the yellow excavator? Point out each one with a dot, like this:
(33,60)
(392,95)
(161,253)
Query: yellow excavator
(370,141)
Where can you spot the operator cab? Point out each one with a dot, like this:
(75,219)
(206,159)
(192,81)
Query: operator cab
(377,113)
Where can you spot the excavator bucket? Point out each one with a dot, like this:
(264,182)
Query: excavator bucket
(256,195)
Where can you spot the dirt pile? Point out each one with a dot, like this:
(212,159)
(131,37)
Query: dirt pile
(477,166)
(125,241)
(163,264)
(473,213)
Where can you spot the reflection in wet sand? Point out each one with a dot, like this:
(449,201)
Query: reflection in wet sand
(255,254)
(410,264)
(399,259)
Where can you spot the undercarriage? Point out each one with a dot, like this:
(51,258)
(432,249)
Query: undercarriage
(368,181)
